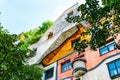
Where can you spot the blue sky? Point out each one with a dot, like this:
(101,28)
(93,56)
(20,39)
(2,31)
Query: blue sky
(22,15)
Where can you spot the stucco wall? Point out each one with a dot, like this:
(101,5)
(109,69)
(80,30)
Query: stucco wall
(68,73)
(44,45)
(64,49)
(101,72)
(93,57)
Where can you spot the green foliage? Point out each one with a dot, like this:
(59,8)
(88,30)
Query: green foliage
(34,35)
(80,45)
(12,60)
(97,38)
(92,13)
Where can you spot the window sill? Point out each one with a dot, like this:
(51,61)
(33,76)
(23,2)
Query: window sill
(66,70)
(115,77)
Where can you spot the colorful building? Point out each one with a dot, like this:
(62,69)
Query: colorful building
(61,62)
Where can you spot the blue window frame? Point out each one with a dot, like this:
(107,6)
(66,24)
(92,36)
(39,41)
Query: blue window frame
(114,68)
(69,65)
(107,48)
(66,66)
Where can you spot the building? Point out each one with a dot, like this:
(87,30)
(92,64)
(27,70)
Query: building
(61,62)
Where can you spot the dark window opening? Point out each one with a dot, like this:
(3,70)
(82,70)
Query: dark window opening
(50,35)
(49,73)
(70,13)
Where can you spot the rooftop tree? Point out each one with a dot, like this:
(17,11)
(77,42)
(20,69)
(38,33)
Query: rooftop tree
(32,36)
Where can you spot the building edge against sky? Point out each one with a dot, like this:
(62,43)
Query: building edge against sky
(61,62)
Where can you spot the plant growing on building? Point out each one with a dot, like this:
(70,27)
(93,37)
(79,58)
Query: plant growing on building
(32,36)
(93,13)
(80,45)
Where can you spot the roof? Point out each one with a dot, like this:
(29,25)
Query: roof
(61,30)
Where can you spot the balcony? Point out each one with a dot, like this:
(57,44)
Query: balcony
(78,65)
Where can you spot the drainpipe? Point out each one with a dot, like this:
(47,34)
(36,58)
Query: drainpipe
(56,71)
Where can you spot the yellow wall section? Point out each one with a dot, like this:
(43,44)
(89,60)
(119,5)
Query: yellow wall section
(64,49)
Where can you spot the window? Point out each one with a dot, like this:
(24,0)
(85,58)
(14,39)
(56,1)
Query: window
(70,13)
(114,68)
(49,73)
(35,51)
(50,35)
(109,25)
(107,48)
(66,66)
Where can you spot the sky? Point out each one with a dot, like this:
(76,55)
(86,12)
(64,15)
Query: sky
(22,15)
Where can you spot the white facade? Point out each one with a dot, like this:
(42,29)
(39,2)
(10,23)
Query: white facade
(54,67)
(60,26)
(61,30)
(101,72)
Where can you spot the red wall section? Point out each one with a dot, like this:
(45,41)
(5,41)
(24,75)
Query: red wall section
(68,73)
(93,57)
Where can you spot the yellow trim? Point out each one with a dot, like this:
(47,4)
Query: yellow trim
(64,49)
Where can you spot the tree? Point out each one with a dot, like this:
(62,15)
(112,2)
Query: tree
(93,13)
(13,65)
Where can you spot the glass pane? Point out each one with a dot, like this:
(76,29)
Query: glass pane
(111,46)
(49,73)
(118,70)
(113,72)
(110,25)
(118,63)
(69,65)
(64,67)
(103,50)
(111,66)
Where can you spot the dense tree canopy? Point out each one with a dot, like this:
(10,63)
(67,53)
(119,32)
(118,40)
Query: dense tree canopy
(13,65)
(93,13)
